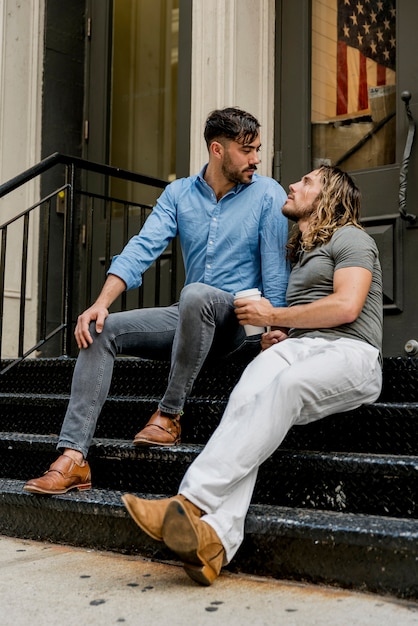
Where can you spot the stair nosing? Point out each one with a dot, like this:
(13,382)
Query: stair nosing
(294,521)
(101,444)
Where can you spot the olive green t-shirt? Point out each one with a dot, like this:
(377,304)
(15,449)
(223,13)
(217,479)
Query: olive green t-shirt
(312,278)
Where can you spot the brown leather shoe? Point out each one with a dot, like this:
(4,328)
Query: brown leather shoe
(160,431)
(149,514)
(194,541)
(63,475)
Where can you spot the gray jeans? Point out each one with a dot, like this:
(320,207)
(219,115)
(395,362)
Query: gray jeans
(202,324)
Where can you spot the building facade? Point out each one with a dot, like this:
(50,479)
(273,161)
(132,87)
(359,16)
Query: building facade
(130,82)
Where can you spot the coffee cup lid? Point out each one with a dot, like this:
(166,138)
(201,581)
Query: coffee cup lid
(245,293)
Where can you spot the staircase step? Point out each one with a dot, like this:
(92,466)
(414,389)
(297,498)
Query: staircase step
(364,552)
(131,377)
(121,416)
(400,379)
(345,482)
(382,427)
(378,428)
(139,377)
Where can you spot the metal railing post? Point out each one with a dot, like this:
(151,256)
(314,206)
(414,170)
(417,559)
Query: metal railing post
(68,256)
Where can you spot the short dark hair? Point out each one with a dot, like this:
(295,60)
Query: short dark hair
(231,123)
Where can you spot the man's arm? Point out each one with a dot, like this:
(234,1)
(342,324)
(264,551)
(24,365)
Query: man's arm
(98,311)
(273,238)
(343,306)
(153,238)
(127,268)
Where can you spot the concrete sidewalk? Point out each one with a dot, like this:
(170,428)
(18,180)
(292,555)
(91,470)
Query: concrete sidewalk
(44,584)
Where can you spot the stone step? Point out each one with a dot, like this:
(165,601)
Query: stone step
(335,481)
(382,427)
(364,552)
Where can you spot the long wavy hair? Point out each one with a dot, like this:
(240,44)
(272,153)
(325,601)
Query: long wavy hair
(337,205)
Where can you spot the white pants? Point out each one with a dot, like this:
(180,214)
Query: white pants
(293,382)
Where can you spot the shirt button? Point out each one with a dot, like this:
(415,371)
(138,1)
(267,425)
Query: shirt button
(214,219)
(209,265)
(211,243)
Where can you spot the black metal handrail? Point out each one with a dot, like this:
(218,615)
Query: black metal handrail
(403,175)
(64,159)
(73,167)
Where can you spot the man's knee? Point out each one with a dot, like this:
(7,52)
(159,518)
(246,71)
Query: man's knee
(196,294)
(110,327)
(203,302)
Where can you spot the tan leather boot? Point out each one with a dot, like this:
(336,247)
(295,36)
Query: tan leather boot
(149,514)
(194,541)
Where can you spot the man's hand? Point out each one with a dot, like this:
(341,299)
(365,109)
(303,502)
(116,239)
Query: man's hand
(272,337)
(255,312)
(96,313)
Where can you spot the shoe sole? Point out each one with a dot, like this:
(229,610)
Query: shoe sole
(146,442)
(83,487)
(180,536)
(203,575)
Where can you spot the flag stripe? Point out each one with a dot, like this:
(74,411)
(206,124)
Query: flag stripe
(342,81)
(363,100)
(381,75)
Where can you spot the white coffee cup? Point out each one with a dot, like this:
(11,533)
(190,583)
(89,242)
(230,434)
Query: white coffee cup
(250,294)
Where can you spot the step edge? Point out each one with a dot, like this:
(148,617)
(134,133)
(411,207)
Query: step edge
(108,444)
(261,519)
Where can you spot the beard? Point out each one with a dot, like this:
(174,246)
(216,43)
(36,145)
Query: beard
(289,213)
(235,175)
(295,212)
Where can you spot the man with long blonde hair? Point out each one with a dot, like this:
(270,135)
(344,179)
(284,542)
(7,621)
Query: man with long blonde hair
(337,205)
(323,356)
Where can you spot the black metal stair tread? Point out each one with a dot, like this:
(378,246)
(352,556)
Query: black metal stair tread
(22,395)
(400,376)
(359,483)
(129,375)
(123,449)
(106,447)
(40,399)
(294,522)
(120,397)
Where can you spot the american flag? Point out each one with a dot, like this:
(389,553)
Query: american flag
(366,48)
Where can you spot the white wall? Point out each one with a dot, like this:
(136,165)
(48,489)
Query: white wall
(232,65)
(21,48)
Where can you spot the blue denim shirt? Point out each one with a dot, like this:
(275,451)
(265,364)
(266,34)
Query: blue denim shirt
(236,243)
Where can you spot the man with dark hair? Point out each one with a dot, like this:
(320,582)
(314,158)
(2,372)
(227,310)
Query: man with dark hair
(328,362)
(233,237)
